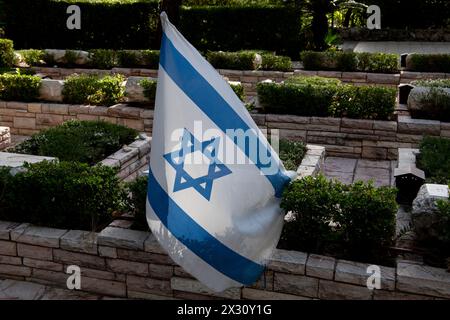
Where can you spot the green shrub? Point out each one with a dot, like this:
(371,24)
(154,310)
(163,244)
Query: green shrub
(444,214)
(94,90)
(297,97)
(82,141)
(238,90)
(128,58)
(67,195)
(150,58)
(350,61)
(71,57)
(136,204)
(149,86)
(274,62)
(429,62)
(350,221)
(434,159)
(19,87)
(432,83)
(103,58)
(7,57)
(291,153)
(33,57)
(313,81)
(435,105)
(242,60)
(363,102)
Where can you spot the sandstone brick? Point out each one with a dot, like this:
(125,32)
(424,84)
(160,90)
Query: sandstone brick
(254,294)
(107,252)
(330,290)
(287,118)
(418,126)
(62,109)
(147,257)
(296,284)
(374,153)
(80,241)
(356,273)
(385,125)
(87,117)
(35,107)
(383,78)
(5,229)
(42,264)
(425,280)
(41,236)
(122,238)
(265,282)
(357,124)
(34,252)
(128,267)
(194,286)
(48,277)
(15,270)
(158,271)
(98,274)
(149,285)
(105,287)
(288,261)
(25,123)
(49,119)
(80,259)
(16,105)
(10,260)
(8,248)
(320,266)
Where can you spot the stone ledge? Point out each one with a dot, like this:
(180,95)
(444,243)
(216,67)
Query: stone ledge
(288,261)
(122,238)
(41,236)
(312,162)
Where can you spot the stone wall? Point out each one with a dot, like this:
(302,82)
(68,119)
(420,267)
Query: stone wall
(130,264)
(342,137)
(5,138)
(250,78)
(131,159)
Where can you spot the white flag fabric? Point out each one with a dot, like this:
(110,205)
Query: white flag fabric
(214,182)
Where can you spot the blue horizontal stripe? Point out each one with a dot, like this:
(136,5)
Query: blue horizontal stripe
(211,103)
(198,240)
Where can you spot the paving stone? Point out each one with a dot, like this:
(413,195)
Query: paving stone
(288,261)
(320,266)
(122,238)
(194,286)
(41,236)
(379,164)
(81,241)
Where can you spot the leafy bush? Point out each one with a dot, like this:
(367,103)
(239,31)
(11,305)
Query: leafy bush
(82,141)
(136,204)
(350,61)
(316,96)
(103,58)
(434,105)
(150,58)
(434,159)
(428,62)
(363,102)
(291,153)
(238,89)
(7,57)
(19,87)
(128,58)
(242,60)
(94,90)
(432,83)
(33,57)
(351,221)
(274,62)
(71,57)
(149,88)
(66,195)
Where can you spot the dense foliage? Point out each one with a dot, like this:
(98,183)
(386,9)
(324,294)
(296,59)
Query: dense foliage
(19,87)
(434,159)
(7,58)
(428,62)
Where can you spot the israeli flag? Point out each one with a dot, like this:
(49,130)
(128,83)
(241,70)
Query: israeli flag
(214,181)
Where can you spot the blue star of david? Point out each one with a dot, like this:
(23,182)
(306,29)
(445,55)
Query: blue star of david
(216,169)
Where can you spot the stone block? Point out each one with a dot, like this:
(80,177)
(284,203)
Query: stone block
(149,285)
(122,238)
(80,259)
(127,267)
(34,252)
(330,290)
(5,229)
(10,260)
(15,270)
(158,271)
(296,284)
(288,261)
(42,264)
(8,248)
(41,236)
(356,273)
(320,266)
(80,241)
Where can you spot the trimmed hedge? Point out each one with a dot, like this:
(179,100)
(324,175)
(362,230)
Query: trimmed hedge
(434,159)
(41,24)
(291,153)
(18,87)
(149,88)
(322,97)
(233,28)
(7,57)
(94,90)
(248,60)
(66,195)
(428,62)
(136,202)
(350,61)
(348,221)
(83,141)
(435,103)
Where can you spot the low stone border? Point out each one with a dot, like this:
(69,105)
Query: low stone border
(371,139)
(5,138)
(249,78)
(126,263)
(131,158)
(312,162)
